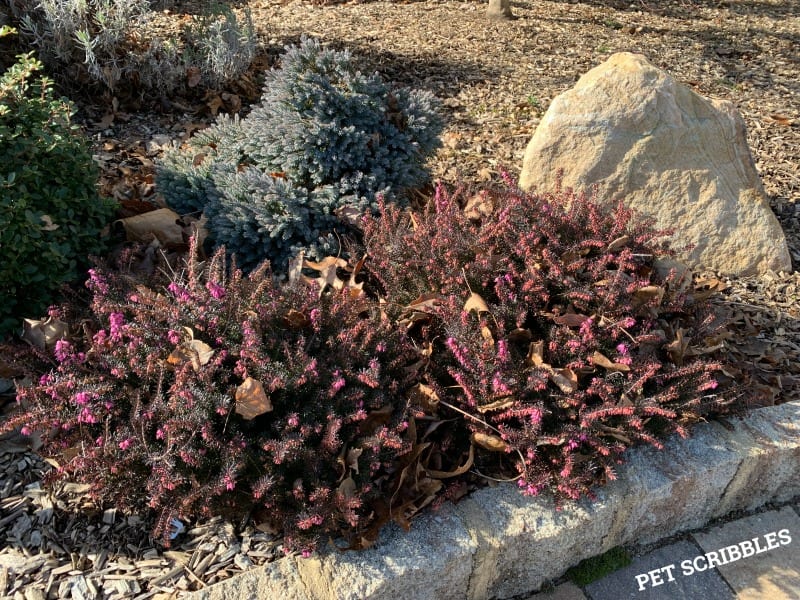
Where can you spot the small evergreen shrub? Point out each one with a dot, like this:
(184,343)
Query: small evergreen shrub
(215,393)
(52,216)
(111,43)
(324,141)
(549,330)
(219,45)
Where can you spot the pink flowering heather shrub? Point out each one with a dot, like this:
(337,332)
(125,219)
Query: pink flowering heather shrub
(549,329)
(214,393)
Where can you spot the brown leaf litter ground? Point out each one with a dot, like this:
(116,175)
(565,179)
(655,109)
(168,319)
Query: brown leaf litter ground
(495,79)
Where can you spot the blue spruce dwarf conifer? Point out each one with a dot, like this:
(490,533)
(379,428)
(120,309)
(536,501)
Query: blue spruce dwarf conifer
(325,137)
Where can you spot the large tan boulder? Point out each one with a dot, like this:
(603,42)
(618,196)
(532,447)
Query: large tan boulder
(666,152)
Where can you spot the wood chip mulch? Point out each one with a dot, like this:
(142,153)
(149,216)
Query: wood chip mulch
(496,79)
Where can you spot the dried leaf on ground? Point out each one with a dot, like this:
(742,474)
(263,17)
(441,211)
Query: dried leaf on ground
(161,224)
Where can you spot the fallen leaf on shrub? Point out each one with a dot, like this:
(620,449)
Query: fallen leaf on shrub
(161,224)
(624,401)
(535,351)
(501,404)
(601,360)
(349,214)
(351,462)
(376,418)
(294,319)
(413,489)
(677,348)
(251,399)
(356,289)
(347,488)
(649,292)
(327,272)
(618,243)
(570,319)
(489,442)
(476,303)
(479,206)
(617,434)
(425,396)
(295,273)
(420,309)
(44,334)
(565,379)
(195,351)
(456,472)
(192,227)
(682,281)
(425,301)
(574,254)
(268,527)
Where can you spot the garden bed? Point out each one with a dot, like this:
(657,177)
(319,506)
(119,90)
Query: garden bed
(496,79)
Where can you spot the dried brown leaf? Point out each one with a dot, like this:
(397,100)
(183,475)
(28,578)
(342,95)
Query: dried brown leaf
(501,404)
(161,224)
(194,351)
(535,356)
(602,360)
(489,442)
(618,243)
(294,319)
(649,292)
(570,319)
(347,488)
(456,472)
(479,206)
(327,272)
(424,396)
(251,399)
(376,418)
(678,347)
(565,379)
(44,333)
(476,303)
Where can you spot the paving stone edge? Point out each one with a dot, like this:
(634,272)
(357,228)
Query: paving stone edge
(498,544)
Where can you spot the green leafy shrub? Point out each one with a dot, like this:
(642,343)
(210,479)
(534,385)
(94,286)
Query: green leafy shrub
(324,141)
(215,393)
(112,43)
(50,214)
(550,328)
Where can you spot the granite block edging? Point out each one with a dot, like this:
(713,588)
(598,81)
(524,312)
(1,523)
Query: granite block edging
(498,544)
